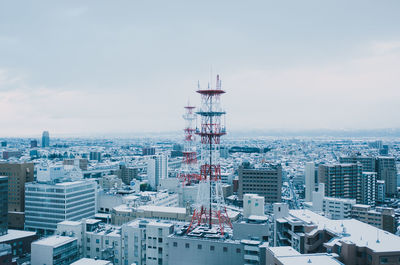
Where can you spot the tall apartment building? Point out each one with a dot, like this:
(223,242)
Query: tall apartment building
(157,168)
(18,174)
(95,155)
(49,204)
(341,180)
(367,162)
(264,181)
(54,250)
(384,166)
(387,171)
(3,205)
(380,191)
(310,180)
(148,151)
(45,139)
(127,174)
(368,188)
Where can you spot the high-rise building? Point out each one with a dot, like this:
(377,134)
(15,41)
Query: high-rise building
(310,180)
(368,188)
(45,139)
(18,174)
(149,151)
(341,180)
(95,155)
(34,143)
(367,162)
(157,168)
(49,204)
(127,174)
(264,181)
(3,205)
(387,171)
(380,191)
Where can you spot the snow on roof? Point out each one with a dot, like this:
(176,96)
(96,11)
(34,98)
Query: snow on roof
(15,234)
(351,230)
(283,251)
(309,259)
(165,209)
(54,241)
(66,222)
(86,261)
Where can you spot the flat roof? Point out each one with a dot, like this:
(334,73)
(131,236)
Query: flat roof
(164,209)
(66,222)
(15,234)
(86,261)
(283,251)
(305,259)
(352,230)
(54,241)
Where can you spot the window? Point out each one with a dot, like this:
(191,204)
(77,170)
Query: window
(225,249)
(106,241)
(159,240)
(212,248)
(97,249)
(175,244)
(199,246)
(187,245)
(238,250)
(97,241)
(384,260)
(88,248)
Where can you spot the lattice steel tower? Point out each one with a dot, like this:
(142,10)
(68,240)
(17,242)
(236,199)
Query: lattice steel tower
(189,171)
(209,207)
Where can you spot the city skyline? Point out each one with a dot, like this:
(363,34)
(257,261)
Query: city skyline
(83,69)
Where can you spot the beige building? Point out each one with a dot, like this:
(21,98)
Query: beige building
(18,174)
(381,217)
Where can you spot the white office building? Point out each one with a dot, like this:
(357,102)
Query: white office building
(157,168)
(48,204)
(310,180)
(54,250)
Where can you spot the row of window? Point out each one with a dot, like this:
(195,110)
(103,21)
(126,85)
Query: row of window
(212,248)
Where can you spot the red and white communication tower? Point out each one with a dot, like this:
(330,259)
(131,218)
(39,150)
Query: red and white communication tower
(189,163)
(209,208)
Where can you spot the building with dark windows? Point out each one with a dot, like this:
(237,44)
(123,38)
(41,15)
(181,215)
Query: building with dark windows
(18,174)
(265,181)
(3,205)
(45,139)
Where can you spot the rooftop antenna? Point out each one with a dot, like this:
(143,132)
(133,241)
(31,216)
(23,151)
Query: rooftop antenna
(377,236)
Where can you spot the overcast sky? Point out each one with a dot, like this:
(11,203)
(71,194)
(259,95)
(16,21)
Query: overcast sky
(84,67)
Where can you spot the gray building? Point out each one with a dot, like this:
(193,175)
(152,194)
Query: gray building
(367,162)
(205,246)
(3,205)
(368,188)
(45,139)
(264,181)
(387,171)
(341,180)
(49,204)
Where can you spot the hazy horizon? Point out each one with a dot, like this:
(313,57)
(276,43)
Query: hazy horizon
(76,68)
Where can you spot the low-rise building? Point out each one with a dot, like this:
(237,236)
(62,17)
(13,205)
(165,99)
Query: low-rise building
(381,217)
(54,250)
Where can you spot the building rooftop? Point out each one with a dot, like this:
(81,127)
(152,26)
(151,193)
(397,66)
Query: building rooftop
(54,241)
(284,251)
(86,261)
(15,234)
(307,259)
(71,223)
(351,230)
